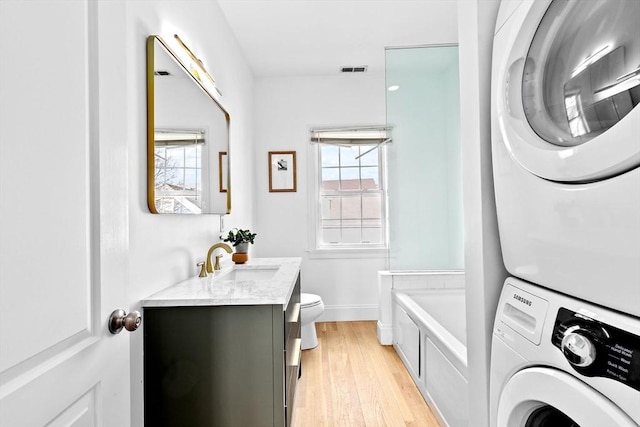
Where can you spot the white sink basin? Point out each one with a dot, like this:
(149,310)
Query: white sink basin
(243,275)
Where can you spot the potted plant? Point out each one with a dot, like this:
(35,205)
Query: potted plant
(240,240)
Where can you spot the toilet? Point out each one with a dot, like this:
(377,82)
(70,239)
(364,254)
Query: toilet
(311,307)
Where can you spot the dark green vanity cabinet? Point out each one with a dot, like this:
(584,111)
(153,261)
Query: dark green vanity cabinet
(226,365)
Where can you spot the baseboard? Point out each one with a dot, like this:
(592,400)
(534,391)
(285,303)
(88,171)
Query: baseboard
(346,313)
(385,334)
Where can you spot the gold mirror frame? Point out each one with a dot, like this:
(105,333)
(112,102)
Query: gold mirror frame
(212,199)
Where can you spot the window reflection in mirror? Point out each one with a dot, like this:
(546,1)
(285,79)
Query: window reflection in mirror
(178,171)
(188,129)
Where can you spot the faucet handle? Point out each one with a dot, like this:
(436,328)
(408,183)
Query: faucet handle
(216,266)
(203,269)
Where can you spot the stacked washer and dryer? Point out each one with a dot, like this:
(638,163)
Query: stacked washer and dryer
(566,160)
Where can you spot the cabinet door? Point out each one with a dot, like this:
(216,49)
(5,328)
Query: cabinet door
(210,366)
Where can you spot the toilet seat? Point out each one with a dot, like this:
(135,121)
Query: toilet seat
(309,300)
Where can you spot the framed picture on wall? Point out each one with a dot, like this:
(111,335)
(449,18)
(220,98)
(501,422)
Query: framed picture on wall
(222,171)
(282,171)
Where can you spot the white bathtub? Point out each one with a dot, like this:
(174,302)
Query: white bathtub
(389,281)
(430,337)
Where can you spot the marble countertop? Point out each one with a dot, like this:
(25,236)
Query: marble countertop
(218,289)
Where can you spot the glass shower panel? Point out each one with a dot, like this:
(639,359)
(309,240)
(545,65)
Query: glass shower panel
(425,173)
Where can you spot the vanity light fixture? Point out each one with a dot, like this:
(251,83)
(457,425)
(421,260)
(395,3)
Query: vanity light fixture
(196,67)
(393,88)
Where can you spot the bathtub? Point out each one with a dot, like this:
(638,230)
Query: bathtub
(430,337)
(389,281)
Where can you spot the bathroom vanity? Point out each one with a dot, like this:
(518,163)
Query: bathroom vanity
(224,350)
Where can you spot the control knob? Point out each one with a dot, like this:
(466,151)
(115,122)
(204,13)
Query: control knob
(578,347)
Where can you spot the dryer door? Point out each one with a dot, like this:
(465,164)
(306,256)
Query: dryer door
(548,397)
(568,88)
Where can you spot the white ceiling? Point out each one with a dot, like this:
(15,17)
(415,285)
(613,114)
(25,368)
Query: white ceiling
(317,37)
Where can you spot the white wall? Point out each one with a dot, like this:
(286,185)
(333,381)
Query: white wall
(483,259)
(164,249)
(286,109)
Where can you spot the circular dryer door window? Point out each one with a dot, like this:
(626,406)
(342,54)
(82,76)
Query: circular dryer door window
(581,74)
(571,86)
(544,396)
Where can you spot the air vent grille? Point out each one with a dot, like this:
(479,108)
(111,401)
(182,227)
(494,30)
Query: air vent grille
(358,69)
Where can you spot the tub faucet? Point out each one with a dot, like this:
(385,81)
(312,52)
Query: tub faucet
(216,266)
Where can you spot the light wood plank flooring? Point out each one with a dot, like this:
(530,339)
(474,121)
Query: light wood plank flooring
(351,380)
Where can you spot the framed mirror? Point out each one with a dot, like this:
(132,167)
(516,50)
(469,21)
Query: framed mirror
(187,138)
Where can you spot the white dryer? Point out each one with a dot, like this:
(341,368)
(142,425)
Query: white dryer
(558,361)
(566,146)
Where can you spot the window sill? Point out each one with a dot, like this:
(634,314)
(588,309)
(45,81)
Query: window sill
(349,253)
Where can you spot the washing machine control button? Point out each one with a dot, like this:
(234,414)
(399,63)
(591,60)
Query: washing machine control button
(579,349)
(597,349)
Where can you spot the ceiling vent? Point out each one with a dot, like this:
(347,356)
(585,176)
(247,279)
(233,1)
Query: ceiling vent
(358,69)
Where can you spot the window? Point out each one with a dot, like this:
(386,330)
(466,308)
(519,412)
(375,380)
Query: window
(351,195)
(178,170)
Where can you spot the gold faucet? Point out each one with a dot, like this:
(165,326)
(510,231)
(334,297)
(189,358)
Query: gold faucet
(217,263)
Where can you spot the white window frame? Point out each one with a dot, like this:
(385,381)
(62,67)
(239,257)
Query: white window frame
(184,139)
(355,250)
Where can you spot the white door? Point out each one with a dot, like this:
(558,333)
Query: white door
(63,214)
(549,397)
(567,87)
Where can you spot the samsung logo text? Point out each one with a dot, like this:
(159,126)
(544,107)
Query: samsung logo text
(521,299)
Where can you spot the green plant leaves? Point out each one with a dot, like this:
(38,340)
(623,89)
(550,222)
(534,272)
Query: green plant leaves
(237,236)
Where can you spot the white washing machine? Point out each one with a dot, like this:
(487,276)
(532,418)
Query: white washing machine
(558,361)
(566,146)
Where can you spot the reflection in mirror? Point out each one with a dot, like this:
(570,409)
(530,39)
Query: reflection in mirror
(582,72)
(187,132)
(178,170)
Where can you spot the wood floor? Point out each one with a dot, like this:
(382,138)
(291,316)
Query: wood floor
(350,380)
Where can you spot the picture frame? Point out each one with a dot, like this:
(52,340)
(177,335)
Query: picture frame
(282,171)
(223,172)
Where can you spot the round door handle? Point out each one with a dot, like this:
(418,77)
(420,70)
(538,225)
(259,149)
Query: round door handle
(120,319)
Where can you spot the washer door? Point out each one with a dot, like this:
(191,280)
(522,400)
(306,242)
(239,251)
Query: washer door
(548,397)
(568,88)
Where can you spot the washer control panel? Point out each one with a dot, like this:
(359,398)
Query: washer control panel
(596,349)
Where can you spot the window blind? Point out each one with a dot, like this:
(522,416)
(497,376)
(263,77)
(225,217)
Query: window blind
(374,135)
(178,137)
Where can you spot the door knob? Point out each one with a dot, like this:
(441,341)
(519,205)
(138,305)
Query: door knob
(120,319)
